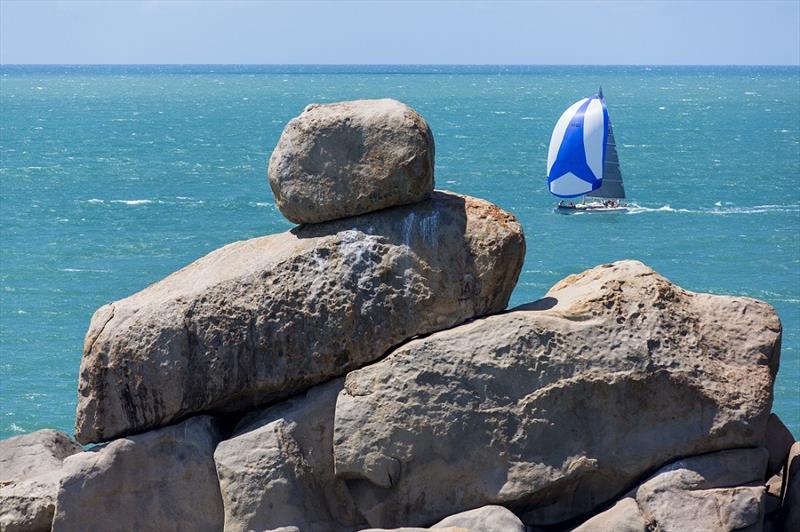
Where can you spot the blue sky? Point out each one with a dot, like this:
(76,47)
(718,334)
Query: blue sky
(545,32)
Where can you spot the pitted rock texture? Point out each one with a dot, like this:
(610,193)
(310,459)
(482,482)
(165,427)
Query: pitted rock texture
(349,158)
(262,319)
(162,480)
(30,470)
(557,407)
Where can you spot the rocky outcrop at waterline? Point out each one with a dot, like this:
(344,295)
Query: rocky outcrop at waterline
(259,320)
(30,471)
(553,408)
(363,373)
(159,480)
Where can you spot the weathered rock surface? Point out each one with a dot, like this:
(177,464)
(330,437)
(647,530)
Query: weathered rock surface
(779,441)
(349,158)
(791,493)
(624,516)
(277,468)
(161,480)
(716,492)
(30,469)
(485,519)
(262,319)
(556,407)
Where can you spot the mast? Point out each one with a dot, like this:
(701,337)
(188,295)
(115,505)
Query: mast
(612,186)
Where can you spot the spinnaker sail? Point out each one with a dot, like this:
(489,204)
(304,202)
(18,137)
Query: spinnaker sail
(582,158)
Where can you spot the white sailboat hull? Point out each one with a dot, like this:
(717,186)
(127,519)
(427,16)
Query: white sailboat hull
(590,208)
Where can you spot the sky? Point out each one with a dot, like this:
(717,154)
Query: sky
(719,32)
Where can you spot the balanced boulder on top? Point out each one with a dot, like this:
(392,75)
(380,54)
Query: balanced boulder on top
(349,158)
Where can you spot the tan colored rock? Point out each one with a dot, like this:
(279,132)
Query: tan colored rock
(716,492)
(161,480)
(556,407)
(484,519)
(30,469)
(277,468)
(262,319)
(624,516)
(348,158)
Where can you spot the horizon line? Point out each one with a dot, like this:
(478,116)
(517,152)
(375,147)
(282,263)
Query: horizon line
(419,64)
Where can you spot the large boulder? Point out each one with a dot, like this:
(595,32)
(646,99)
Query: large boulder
(161,480)
(30,469)
(778,442)
(262,319)
(791,491)
(277,468)
(556,407)
(484,519)
(349,158)
(624,516)
(716,492)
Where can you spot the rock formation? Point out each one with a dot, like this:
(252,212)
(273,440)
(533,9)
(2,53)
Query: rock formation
(276,469)
(30,469)
(161,480)
(554,408)
(348,158)
(716,491)
(485,519)
(265,318)
(361,371)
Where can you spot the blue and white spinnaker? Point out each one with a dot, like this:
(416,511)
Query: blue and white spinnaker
(577,150)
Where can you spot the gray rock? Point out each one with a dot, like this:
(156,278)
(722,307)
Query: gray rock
(485,519)
(30,469)
(161,480)
(403,529)
(349,158)
(778,442)
(262,319)
(624,516)
(556,407)
(791,497)
(277,468)
(716,492)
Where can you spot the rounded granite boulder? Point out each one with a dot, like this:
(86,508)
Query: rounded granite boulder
(349,158)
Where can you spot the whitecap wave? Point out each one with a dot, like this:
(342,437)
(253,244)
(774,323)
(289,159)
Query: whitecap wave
(718,209)
(639,209)
(133,201)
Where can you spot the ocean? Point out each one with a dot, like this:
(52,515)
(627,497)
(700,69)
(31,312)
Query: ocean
(112,177)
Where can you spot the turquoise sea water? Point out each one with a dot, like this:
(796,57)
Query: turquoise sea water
(114,177)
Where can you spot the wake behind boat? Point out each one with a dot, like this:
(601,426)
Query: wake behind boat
(582,160)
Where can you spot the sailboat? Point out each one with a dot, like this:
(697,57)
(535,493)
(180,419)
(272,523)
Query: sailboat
(582,160)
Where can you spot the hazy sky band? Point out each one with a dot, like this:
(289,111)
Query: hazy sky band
(236,32)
